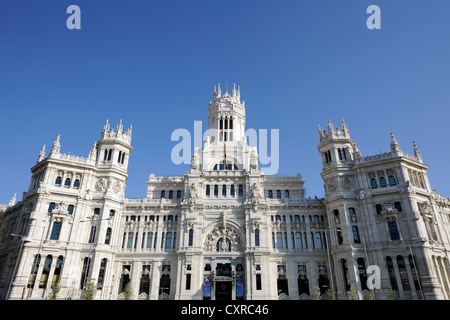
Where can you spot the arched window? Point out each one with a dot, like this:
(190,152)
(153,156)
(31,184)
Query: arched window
(232,193)
(362,273)
(144,286)
(168,240)
(373,183)
(286,193)
(382,182)
(257,237)
(270,194)
(171,194)
(403,273)
(179,194)
(67,182)
(84,271)
(57,271)
(92,234)
(149,240)
(391,272)
(298,240)
(163,194)
(241,190)
(355,232)
(302,280)
(101,274)
(392,181)
(70,209)
(279,240)
(398,206)
(216,190)
(58,181)
(318,241)
(76,183)
(219,245)
(56,230)
(130,240)
(278,194)
(224,190)
(45,272)
(108,236)
(208,190)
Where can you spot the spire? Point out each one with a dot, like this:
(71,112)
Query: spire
(56,145)
(12,202)
(320,132)
(330,126)
(416,151)
(395,147)
(219,92)
(344,127)
(119,128)
(106,127)
(41,154)
(93,152)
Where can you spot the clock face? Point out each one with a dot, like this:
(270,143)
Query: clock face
(227,106)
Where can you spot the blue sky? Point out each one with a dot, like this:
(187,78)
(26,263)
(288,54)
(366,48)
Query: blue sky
(154,64)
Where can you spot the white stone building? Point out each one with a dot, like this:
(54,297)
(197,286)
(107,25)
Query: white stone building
(225,230)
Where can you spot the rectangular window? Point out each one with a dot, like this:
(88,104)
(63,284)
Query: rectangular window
(130,240)
(188,281)
(393,230)
(258,282)
(56,230)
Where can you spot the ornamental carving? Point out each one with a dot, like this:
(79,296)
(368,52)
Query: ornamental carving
(101,185)
(228,236)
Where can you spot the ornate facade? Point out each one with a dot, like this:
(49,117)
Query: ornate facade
(225,230)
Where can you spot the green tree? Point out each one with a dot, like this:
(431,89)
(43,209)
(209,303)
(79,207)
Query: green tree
(128,292)
(393,294)
(89,291)
(55,290)
(353,294)
(316,294)
(329,294)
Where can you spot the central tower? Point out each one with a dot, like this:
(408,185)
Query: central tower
(226,117)
(226,145)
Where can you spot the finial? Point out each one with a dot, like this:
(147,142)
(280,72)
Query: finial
(344,127)
(330,126)
(106,127)
(41,154)
(416,151)
(394,143)
(93,152)
(219,92)
(233,93)
(119,128)
(56,145)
